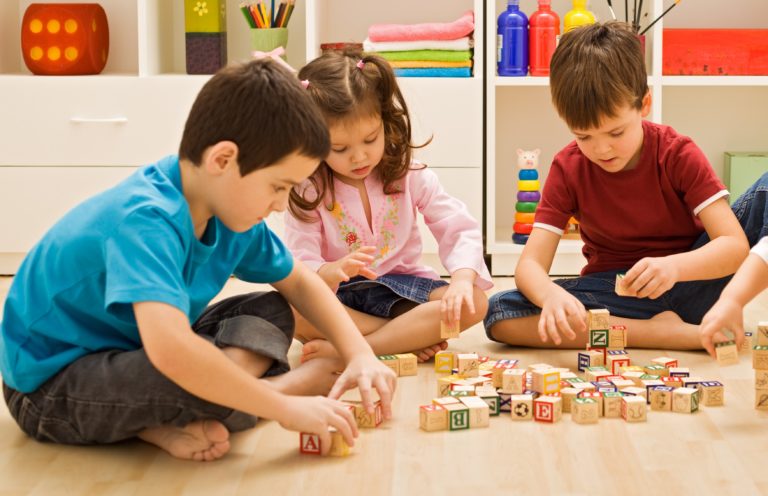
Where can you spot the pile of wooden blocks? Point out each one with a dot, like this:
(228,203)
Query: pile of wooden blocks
(403,364)
(760,364)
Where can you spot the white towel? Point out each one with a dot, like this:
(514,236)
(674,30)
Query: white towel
(402,46)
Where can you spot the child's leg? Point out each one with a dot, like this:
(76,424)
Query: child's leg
(417,330)
(514,320)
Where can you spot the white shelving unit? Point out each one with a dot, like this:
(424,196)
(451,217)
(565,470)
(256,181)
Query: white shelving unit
(718,112)
(66,138)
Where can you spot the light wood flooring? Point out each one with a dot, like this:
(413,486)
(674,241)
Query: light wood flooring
(719,450)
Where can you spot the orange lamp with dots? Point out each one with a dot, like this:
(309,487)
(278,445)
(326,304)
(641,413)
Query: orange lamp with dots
(65,38)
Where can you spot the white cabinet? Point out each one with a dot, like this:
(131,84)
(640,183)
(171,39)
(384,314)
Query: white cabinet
(719,113)
(66,138)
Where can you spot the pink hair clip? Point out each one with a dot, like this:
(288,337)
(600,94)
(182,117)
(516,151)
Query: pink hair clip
(360,64)
(305,83)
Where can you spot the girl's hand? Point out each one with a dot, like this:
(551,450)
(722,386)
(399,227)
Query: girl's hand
(349,266)
(725,314)
(458,293)
(315,415)
(651,277)
(555,315)
(368,372)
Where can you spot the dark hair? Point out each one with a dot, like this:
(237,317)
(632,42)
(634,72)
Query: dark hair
(262,108)
(342,90)
(596,70)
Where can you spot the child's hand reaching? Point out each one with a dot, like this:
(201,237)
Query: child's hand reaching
(349,266)
(555,313)
(368,372)
(725,314)
(651,277)
(459,292)
(315,415)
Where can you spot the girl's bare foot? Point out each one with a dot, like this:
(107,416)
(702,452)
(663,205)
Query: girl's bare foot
(317,348)
(203,440)
(427,353)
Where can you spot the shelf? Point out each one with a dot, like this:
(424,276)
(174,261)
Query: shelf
(502,81)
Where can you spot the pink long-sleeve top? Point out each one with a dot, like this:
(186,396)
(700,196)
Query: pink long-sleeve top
(394,231)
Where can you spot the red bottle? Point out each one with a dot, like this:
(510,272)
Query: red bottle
(544,28)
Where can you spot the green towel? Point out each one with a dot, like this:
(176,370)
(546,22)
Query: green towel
(441,55)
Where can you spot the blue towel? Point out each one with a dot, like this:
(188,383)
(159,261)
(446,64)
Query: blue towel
(433,72)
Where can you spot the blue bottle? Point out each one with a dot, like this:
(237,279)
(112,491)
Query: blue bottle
(512,41)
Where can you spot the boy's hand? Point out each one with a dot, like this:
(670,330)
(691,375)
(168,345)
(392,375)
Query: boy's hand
(554,316)
(725,314)
(315,415)
(458,293)
(366,372)
(651,277)
(349,266)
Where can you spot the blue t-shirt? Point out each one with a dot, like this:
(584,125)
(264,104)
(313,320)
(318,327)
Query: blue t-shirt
(73,293)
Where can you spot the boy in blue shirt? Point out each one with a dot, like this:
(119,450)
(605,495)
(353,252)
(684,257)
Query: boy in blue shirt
(106,334)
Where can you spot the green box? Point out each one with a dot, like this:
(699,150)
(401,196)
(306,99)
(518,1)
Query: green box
(742,169)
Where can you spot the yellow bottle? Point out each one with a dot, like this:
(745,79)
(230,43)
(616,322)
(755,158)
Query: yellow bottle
(579,16)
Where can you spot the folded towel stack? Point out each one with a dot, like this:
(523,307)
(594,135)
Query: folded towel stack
(425,50)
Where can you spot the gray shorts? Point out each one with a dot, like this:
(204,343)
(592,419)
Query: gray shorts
(113,395)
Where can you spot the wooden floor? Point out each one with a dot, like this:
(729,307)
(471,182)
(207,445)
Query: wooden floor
(715,451)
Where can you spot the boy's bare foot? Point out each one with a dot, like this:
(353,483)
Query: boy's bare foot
(666,330)
(317,348)
(314,377)
(203,440)
(427,353)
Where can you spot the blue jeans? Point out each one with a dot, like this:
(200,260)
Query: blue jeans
(112,395)
(380,296)
(690,300)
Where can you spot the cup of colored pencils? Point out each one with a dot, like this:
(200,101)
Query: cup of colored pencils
(268,21)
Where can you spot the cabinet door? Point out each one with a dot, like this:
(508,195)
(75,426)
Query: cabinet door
(79,121)
(34,198)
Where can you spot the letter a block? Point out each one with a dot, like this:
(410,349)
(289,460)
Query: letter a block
(310,443)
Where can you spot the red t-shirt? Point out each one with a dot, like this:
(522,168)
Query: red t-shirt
(649,211)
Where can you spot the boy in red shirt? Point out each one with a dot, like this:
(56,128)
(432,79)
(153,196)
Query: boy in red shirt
(648,204)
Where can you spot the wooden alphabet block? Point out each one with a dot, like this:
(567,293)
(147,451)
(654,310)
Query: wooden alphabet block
(685,400)
(513,381)
(619,287)
(635,391)
(634,376)
(622,383)
(760,357)
(521,406)
(633,409)
(761,399)
(657,369)
(392,362)
(479,413)
(673,382)
(444,362)
(365,419)
(598,319)
(545,381)
(649,384)
(727,353)
(505,402)
(612,404)
(309,444)
(433,418)
(664,361)
(461,390)
(458,416)
(408,364)
(660,398)
(585,411)
(616,359)
(761,379)
(598,338)
(594,395)
(604,386)
(547,409)
(762,333)
(448,331)
(444,385)
(445,400)
(617,337)
(679,372)
(596,373)
(590,358)
(468,364)
(491,397)
(568,394)
(498,370)
(692,382)
(339,446)
(712,393)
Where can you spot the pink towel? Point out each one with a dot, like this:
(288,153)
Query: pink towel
(427,31)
